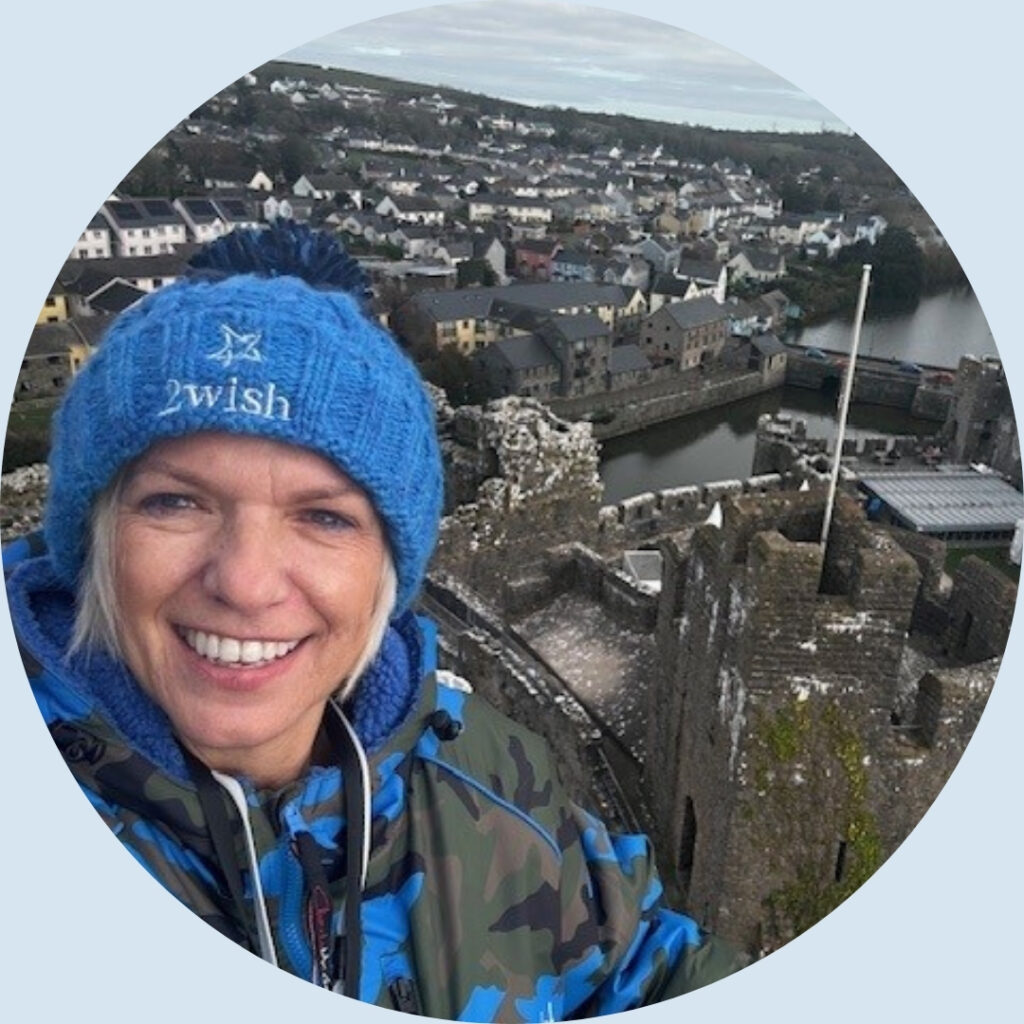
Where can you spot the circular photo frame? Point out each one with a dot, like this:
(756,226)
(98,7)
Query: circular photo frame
(778,721)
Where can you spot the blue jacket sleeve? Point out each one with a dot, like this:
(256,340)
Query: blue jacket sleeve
(642,951)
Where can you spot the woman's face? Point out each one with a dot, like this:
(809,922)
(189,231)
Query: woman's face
(246,572)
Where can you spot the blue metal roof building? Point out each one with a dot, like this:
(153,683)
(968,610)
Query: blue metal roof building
(960,504)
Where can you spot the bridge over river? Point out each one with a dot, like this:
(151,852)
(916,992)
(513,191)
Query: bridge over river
(923,390)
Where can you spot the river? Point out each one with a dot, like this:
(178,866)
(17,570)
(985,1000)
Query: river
(719,444)
(940,330)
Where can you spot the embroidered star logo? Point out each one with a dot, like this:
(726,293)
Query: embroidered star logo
(237,347)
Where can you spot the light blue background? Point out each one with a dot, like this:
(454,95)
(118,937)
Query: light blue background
(88,88)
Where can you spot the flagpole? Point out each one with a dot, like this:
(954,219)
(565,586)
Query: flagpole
(844,404)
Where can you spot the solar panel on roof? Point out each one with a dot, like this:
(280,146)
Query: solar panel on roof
(157,207)
(201,207)
(234,208)
(125,211)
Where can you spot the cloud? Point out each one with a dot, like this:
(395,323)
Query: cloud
(562,51)
(378,51)
(592,71)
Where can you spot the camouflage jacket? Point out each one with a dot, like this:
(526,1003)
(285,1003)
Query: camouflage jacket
(489,896)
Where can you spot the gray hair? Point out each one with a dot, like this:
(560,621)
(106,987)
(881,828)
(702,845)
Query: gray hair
(97,613)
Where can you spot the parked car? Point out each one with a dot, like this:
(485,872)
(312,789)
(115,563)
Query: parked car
(814,353)
(912,368)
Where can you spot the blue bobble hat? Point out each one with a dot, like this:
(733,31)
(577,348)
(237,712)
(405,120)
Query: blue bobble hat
(269,337)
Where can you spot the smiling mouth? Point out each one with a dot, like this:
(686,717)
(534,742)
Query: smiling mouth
(228,650)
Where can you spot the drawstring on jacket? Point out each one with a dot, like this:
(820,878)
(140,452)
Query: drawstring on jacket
(333,972)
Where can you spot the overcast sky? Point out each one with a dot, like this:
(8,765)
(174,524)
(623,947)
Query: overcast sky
(568,55)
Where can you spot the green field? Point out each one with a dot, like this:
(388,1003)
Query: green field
(998,556)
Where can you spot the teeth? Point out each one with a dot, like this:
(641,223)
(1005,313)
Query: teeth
(230,651)
(257,650)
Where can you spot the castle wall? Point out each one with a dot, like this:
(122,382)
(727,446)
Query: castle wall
(932,403)
(982,396)
(516,687)
(613,590)
(980,611)
(931,614)
(897,390)
(788,749)
(920,759)
(533,482)
(773,680)
(885,389)
(22,497)
(512,689)
(648,516)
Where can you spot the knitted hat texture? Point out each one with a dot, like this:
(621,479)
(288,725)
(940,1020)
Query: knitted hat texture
(272,357)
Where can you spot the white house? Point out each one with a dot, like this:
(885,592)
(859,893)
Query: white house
(329,187)
(411,210)
(758,265)
(369,226)
(94,242)
(518,209)
(398,186)
(201,218)
(261,182)
(144,227)
(826,242)
(287,208)
(208,218)
(415,241)
(871,228)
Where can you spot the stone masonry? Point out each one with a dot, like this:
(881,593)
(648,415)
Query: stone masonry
(779,774)
(522,481)
(981,426)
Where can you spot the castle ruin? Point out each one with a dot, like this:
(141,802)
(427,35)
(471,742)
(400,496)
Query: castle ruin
(782,766)
(783,714)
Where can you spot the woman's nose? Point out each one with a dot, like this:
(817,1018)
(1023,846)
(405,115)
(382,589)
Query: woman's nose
(246,567)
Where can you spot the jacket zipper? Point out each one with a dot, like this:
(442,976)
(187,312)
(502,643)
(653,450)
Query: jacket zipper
(291,920)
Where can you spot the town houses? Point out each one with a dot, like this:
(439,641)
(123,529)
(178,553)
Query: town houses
(559,271)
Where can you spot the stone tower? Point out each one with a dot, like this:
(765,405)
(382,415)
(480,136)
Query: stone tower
(980,426)
(767,724)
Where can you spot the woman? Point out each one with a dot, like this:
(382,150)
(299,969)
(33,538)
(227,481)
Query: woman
(245,490)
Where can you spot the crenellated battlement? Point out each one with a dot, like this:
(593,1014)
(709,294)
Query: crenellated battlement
(792,706)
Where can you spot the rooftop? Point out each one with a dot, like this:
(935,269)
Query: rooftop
(947,501)
(703,310)
(522,352)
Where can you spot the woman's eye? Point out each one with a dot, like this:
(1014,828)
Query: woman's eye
(164,503)
(328,519)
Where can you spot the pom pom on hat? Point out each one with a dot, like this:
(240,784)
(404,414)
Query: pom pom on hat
(284,249)
(257,341)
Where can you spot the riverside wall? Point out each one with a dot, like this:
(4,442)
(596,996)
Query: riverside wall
(668,398)
(635,408)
